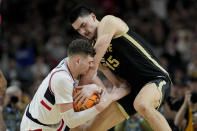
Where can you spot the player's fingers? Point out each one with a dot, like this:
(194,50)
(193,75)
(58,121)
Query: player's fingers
(85,101)
(78,87)
(97,101)
(78,97)
(77,94)
(81,101)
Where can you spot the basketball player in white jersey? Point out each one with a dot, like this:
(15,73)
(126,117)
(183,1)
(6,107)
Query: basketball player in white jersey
(52,106)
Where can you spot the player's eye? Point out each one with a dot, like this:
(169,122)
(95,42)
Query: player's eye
(91,63)
(83,25)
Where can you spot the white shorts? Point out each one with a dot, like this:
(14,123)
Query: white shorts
(29,125)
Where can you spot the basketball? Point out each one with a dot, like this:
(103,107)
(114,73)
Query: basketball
(93,100)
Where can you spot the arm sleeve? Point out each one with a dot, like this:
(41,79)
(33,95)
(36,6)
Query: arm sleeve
(62,86)
(74,119)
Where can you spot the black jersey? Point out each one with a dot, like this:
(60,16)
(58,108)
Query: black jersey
(129,57)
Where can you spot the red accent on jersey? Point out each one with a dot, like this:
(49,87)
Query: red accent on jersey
(45,105)
(62,125)
(36,130)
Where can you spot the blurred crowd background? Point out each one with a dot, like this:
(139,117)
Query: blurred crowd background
(35,34)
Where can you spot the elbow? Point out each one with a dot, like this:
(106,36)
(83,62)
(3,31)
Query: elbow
(71,124)
(176,122)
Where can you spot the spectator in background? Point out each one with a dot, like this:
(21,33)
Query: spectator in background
(174,101)
(183,43)
(55,50)
(13,108)
(173,56)
(192,67)
(40,68)
(186,116)
(3,85)
(193,83)
(12,73)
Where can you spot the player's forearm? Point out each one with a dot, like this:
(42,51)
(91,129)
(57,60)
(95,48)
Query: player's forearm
(93,80)
(101,46)
(98,82)
(110,76)
(120,92)
(74,119)
(180,114)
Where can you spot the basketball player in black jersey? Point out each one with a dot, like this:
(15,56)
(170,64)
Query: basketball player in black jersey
(122,52)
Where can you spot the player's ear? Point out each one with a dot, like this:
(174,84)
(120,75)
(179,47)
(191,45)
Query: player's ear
(93,16)
(77,60)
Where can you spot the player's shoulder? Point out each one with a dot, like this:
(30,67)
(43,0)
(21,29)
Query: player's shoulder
(108,18)
(62,75)
(108,22)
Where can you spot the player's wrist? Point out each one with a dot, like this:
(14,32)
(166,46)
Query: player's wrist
(98,90)
(103,104)
(99,107)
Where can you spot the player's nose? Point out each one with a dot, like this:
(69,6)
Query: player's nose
(91,64)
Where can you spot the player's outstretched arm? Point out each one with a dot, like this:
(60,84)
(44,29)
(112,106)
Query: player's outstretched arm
(74,119)
(121,87)
(62,87)
(109,27)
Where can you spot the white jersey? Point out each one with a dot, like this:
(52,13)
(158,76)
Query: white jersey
(51,92)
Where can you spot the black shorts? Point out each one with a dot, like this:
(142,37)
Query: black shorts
(164,86)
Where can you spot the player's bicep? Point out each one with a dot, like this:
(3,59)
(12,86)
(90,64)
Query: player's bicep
(108,28)
(62,86)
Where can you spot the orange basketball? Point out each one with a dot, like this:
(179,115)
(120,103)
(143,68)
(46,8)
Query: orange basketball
(93,100)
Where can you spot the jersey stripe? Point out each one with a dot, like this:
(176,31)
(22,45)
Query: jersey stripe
(134,42)
(161,84)
(49,96)
(62,125)
(45,105)
(123,111)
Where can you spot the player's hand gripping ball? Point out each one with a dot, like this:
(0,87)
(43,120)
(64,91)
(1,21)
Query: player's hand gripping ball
(93,100)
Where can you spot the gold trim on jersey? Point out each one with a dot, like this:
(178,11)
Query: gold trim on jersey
(123,111)
(133,41)
(116,36)
(161,84)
